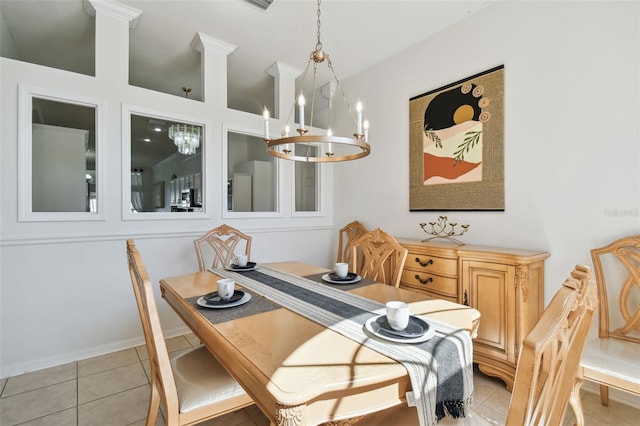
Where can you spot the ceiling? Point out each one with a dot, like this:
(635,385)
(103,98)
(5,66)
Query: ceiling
(356,34)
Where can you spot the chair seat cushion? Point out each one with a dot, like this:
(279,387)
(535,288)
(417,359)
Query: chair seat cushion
(201,380)
(613,358)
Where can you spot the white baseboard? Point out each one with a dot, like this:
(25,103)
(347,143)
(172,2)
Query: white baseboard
(40,364)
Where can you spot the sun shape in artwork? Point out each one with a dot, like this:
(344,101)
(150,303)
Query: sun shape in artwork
(463,113)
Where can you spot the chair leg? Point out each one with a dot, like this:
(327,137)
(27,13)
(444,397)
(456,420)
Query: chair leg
(576,402)
(604,395)
(154,406)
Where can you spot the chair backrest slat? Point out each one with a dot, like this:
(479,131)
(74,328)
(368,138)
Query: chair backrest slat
(347,235)
(378,256)
(223,241)
(551,352)
(161,375)
(617,271)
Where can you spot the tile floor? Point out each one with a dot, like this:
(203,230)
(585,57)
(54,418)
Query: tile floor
(113,389)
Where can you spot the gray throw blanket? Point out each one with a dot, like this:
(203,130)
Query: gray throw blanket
(440,369)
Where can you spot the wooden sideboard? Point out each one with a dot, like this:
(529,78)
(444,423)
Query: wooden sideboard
(505,285)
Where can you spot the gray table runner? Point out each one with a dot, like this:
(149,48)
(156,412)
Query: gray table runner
(344,287)
(256,305)
(440,369)
(260,304)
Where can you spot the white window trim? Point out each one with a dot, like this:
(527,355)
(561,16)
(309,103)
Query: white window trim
(319,184)
(127,111)
(26,94)
(226,214)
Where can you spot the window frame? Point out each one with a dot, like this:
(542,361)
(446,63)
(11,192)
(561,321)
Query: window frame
(26,94)
(319,204)
(227,214)
(127,111)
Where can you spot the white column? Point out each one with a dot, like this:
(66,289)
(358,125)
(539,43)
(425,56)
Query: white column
(113,21)
(214,68)
(284,88)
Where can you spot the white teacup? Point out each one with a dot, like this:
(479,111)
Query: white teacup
(226,287)
(397,315)
(342,269)
(241,260)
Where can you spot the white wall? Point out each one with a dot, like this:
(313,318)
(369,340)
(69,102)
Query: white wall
(572,144)
(65,292)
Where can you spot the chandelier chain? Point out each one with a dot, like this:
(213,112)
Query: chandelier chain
(319,43)
(313,93)
(344,95)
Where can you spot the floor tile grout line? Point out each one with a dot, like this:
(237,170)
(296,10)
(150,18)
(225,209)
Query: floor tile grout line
(107,369)
(42,417)
(110,395)
(4,386)
(77,393)
(36,389)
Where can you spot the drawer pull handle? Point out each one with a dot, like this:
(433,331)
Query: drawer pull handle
(423,264)
(427,281)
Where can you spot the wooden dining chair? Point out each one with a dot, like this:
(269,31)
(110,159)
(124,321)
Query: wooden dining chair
(613,358)
(191,386)
(220,244)
(547,365)
(348,234)
(378,256)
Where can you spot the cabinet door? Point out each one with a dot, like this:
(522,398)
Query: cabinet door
(490,288)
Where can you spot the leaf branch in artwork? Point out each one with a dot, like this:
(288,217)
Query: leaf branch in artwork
(470,140)
(431,134)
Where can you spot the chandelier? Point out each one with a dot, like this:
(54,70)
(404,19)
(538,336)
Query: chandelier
(318,148)
(185,136)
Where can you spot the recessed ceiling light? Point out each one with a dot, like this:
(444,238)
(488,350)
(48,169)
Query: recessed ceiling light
(157,129)
(147,140)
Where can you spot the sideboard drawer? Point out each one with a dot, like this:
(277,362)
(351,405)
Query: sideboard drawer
(432,264)
(432,283)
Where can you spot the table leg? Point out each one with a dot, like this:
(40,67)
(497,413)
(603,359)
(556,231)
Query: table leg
(290,415)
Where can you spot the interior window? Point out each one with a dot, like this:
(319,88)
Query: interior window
(251,175)
(63,157)
(58,156)
(306,180)
(165,167)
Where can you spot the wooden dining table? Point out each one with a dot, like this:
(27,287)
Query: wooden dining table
(297,371)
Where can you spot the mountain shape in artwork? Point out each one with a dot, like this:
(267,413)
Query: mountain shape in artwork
(440,165)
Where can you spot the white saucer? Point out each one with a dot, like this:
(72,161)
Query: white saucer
(372,327)
(242,301)
(243,269)
(328,279)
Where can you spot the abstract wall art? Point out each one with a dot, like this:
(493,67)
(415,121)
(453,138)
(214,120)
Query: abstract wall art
(456,145)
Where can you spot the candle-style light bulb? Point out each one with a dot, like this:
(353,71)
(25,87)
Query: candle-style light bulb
(329,146)
(285,133)
(359,117)
(265,115)
(301,102)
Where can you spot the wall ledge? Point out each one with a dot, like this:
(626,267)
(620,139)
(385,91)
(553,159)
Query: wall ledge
(90,238)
